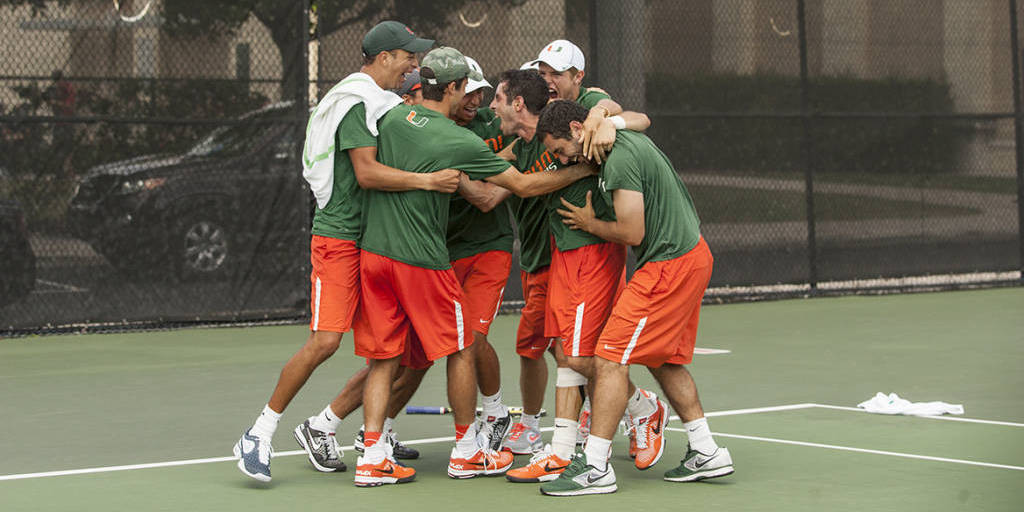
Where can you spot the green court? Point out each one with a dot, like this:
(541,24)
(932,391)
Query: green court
(78,412)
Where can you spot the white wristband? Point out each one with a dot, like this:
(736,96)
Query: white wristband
(618,122)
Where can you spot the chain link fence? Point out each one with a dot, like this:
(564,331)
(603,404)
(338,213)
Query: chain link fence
(149,149)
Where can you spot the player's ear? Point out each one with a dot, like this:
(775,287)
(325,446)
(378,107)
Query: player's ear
(578,79)
(576,128)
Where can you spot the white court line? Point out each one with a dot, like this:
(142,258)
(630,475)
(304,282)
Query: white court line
(545,429)
(860,450)
(302,452)
(947,418)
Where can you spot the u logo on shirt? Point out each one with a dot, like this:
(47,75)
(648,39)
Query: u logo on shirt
(420,123)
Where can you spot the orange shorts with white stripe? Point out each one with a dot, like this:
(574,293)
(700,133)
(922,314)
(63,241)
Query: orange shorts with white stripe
(334,283)
(583,288)
(655,320)
(530,340)
(483,277)
(398,297)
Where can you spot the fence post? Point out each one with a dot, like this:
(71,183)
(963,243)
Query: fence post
(1018,131)
(807,150)
(592,66)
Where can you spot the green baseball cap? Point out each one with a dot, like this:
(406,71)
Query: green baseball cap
(448,65)
(392,35)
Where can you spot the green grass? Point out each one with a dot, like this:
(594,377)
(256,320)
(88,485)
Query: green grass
(733,204)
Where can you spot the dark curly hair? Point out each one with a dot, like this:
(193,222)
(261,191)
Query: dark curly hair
(556,116)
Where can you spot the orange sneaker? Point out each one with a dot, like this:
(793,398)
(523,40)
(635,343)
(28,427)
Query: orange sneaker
(544,466)
(649,432)
(483,462)
(386,471)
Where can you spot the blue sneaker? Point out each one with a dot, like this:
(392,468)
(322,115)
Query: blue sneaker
(254,456)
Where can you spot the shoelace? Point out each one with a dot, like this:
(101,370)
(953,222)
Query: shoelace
(541,455)
(640,433)
(266,451)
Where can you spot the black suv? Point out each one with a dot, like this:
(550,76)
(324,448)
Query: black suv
(228,204)
(17,261)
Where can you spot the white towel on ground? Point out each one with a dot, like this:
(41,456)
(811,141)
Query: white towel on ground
(318,151)
(893,404)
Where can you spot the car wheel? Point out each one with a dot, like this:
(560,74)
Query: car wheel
(202,245)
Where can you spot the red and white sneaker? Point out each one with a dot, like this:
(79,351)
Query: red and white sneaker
(543,467)
(584,429)
(523,440)
(386,471)
(649,433)
(484,462)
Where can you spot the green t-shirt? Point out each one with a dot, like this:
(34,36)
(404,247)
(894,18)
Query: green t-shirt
(471,231)
(410,226)
(532,212)
(671,225)
(589,99)
(341,218)
(565,238)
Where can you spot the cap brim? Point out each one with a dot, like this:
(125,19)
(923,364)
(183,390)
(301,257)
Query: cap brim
(554,67)
(418,45)
(472,85)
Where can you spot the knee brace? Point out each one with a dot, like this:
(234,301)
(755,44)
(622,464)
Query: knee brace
(567,378)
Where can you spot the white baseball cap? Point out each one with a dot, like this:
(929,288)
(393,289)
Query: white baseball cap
(472,85)
(561,55)
(529,65)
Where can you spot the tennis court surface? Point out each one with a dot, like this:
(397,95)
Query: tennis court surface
(146,420)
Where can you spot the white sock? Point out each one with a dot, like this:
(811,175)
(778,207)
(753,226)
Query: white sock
(376,453)
(597,451)
(326,421)
(700,436)
(531,421)
(563,441)
(389,425)
(641,404)
(266,424)
(467,446)
(493,405)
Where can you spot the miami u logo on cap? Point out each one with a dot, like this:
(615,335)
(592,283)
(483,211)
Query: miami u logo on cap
(409,30)
(419,123)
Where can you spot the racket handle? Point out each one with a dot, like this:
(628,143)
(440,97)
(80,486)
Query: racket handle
(414,409)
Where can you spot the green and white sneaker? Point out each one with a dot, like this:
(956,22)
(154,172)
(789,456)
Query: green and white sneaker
(697,466)
(581,478)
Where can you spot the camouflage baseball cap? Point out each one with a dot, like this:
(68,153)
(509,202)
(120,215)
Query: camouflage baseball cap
(448,65)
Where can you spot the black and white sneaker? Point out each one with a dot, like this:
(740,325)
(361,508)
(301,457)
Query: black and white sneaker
(496,428)
(321,447)
(399,450)
(254,455)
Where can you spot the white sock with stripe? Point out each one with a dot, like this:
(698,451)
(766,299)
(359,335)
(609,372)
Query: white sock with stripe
(326,421)
(700,436)
(597,452)
(563,441)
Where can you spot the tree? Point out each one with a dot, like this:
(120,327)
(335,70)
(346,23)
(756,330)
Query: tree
(282,18)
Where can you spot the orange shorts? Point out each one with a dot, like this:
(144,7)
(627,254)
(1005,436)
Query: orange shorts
(413,357)
(483,277)
(334,283)
(655,320)
(530,339)
(584,285)
(397,298)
